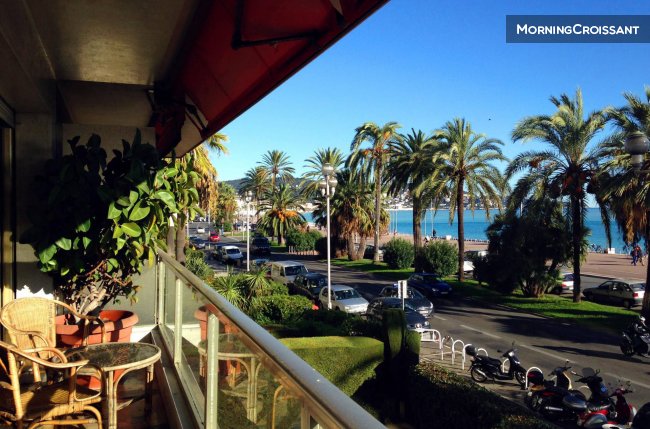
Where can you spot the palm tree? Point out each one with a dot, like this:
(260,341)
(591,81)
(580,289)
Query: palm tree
(281,211)
(314,165)
(372,160)
(278,166)
(464,170)
(410,167)
(257,181)
(628,192)
(566,169)
(201,163)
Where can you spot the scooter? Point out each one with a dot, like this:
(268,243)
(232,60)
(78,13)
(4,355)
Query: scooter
(635,341)
(545,396)
(640,421)
(484,367)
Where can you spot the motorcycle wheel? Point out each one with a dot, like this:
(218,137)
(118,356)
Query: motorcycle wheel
(627,348)
(478,375)
(520,376)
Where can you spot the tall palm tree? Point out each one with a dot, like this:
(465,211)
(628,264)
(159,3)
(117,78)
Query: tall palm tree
(201,163)
(372,160)
(257,181)
(628,192)
(280,211)
(464,169)
(567,167)
(278,166)
(410,167)
(314,165)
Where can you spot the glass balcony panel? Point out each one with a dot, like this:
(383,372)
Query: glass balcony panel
(170,299)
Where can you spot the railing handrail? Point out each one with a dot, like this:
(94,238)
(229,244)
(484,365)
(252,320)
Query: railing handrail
(334,406)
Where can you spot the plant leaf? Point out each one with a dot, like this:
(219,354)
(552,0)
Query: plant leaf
(132,229)
(46,254)
(113,212)
(139,212)
(133,197)
(64,243)
(166,197)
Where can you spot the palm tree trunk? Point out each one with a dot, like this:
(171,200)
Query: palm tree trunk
(645,309)
(375,257)
(461,227)
(575,235)
(417,231)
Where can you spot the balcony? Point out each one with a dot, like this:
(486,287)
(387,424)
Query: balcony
(221,369)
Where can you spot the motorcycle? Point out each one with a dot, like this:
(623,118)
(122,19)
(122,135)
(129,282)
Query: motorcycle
(640,421)
(545,396)
(635,339)
(484,367)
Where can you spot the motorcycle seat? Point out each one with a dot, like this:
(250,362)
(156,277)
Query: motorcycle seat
(488,360)
(597,407)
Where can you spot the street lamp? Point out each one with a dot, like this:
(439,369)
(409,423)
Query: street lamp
(637,145)
(249,197)
(327,189)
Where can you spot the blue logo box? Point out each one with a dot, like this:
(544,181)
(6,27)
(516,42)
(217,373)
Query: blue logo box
(578,29)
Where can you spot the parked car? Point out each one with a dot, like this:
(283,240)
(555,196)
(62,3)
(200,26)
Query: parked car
(231,254)
(200,230)
(414,320)
(617,291)
(369,253)
(216,252)
(285,272)
(309,285)
(261,246)
(564,284)
(214,237)
(344,298)
(197,243)
(468,260)
(414,299)
(430,285)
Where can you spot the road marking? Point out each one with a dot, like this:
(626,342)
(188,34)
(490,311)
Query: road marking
(481,332)
(618,377)
(538,350)
(438,317)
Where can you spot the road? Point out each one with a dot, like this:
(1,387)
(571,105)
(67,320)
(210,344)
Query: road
(541,342)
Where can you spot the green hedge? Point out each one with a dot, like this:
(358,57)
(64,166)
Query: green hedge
(455,402)
(348,362)
(439,257)
(399,253)
(303,241)
(279,308)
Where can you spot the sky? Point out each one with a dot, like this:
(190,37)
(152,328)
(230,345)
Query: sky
(424,62)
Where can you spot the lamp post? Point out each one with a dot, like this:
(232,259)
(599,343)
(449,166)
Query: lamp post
(327,189)
(637,145)
(249,197)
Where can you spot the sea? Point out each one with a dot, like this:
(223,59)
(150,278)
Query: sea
(477,223)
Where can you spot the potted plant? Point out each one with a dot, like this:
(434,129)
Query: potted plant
(96,223)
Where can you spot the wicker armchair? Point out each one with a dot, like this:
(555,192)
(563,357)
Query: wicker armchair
(38,404)
(31,322)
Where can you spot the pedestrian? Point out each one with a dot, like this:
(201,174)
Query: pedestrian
(635,255)
(639,254)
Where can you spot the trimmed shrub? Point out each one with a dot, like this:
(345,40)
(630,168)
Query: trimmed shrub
(394,325)
(437,395)
(279,308)
(439,257)
(227,227)
(399,253)
(277,288)
(302,241)
(347,362)
(412,348)
(358,327)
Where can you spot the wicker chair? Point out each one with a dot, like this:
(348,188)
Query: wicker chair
(36,404)
(30,322)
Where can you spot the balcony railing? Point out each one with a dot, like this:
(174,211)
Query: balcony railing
(232,372)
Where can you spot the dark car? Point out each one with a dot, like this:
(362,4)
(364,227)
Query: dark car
(197,243)
(414,299)
(216,252)
(308,284)
(627,293)
(260,246)
(430,285)
(414,320)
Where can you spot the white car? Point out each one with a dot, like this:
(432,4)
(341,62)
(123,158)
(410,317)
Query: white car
(344,298)
(231,254)
(564,284)
(200,230)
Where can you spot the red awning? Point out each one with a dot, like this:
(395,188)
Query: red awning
(245,48)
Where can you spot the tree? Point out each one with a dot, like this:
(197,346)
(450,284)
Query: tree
(201,163)
(463,169)
(280,211)
(226,204)
(567,168)
(278,166)
(257,181)
(628,192)
(372,161)
(314,165)
(410,167)
(525,251)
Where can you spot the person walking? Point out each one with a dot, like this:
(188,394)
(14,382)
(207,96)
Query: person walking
(635,254)
(639,254)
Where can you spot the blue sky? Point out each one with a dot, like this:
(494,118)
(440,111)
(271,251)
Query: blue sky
(424,62)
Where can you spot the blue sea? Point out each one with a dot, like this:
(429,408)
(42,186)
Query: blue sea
(476,224)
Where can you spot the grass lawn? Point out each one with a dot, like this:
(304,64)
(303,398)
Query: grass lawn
(585,313)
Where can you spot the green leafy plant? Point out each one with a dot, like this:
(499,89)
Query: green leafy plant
(439,257)
(399,253)
(95,223)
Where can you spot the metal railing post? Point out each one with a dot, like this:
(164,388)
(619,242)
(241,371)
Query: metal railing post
(212,373)
(178,323)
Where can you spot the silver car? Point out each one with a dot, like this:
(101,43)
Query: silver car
(627,293)
(344,298)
